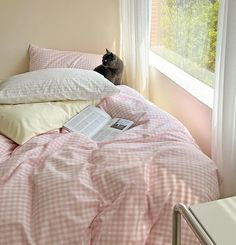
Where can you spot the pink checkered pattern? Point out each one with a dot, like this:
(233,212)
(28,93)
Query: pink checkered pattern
(62,188)
(42,58)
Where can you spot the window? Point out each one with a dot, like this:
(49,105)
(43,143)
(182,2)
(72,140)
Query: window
(183,33)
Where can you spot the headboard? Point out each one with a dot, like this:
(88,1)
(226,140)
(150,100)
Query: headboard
(80,25)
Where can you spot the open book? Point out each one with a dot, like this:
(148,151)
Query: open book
(97,124)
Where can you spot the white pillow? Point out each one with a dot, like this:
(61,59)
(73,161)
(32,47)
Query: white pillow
(55,84)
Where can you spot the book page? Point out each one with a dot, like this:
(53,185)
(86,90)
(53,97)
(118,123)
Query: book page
(89,121)
(113,128)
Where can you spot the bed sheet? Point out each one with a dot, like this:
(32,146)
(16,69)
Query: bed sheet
(62,188)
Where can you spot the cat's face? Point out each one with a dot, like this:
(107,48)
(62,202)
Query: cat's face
(109,59)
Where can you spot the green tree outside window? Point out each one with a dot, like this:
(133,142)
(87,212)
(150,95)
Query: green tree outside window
(187,31)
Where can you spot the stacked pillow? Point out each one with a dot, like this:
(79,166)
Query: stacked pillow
(21,122)
(35,102)
(55,84)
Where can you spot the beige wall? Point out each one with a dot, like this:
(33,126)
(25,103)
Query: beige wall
(85,25)
(191,112)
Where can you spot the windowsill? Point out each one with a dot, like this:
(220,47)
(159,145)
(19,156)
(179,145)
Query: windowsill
(201,91)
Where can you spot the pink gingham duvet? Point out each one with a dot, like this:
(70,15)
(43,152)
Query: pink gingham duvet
(62,188)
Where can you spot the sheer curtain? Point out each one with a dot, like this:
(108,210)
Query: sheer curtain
(134,29)
(224,111)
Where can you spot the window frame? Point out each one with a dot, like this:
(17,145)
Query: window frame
(194,86)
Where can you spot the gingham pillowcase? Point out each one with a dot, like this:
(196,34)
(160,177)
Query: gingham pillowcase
(42,58)
(55,84)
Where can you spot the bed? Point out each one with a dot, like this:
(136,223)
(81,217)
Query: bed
(63,188)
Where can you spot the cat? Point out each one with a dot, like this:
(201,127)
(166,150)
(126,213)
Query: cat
(111,68)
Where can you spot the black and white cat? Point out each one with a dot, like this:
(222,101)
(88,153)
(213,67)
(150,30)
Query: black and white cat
(111,68)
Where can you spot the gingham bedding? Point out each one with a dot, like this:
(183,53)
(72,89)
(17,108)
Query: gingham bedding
(62,188)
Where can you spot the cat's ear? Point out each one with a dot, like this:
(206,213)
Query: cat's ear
(108,52)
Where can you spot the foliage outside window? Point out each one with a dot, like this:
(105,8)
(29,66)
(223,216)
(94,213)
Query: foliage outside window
(184,33)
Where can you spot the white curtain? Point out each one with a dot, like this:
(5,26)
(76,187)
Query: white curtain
(134,31)
(224,111)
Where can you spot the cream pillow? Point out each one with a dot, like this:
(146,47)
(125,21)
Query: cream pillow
(23,121)
(55,84)
(42,58)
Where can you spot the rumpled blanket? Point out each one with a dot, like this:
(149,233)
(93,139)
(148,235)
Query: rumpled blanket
(63,188)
